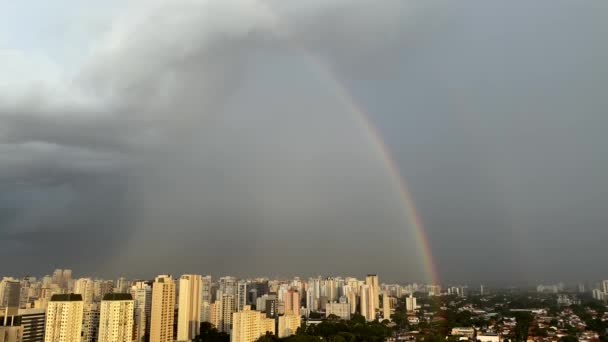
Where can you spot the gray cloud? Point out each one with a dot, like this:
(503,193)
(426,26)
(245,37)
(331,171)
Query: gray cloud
(197,137)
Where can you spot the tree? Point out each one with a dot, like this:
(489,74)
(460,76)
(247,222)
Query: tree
(208,333)
(568,338)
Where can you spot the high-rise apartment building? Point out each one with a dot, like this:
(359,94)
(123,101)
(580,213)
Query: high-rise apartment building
(366,304)
(372,281)
(64,318)
(102,287)
(162,314)
(288,325)
(410,303)
(189,307)
(241,295)
(122,285)
(86,288)
(292,302)
(141,292)
(206,299)
(228,285)
(221,313)
(249,325)
(10,289)
(90,322)
(386,306)
(116,319)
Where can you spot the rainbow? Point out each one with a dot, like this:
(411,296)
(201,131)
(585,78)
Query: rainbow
(376,141)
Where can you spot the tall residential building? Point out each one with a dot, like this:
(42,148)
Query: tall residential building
(410,303)
(288,325)
(386,306)
(605,286)
(249,325)
(241,296)
(367,302)
(228,307)
(142,296)
(341,309)
(90,322)
(163,303)
(86,288)
(102,287)
(64,318)
(189,307)
(206,299)
(62,278)
(122,285)
(9,294)
(116,319)
(228,285)
(372,281)
(292,302)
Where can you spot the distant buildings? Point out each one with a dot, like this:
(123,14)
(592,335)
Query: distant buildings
(410,303)
(162,313)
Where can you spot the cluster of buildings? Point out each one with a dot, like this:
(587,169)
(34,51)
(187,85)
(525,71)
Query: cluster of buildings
(60,308)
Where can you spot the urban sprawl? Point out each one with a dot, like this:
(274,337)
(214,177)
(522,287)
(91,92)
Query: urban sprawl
(191,307)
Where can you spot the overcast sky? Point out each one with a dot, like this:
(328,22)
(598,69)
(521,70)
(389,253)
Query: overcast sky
(148,137)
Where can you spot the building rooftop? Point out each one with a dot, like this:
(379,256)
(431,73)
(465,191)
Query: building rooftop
(117,296)
(69,297)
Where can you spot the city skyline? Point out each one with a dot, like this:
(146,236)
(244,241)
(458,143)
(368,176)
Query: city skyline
(458,141)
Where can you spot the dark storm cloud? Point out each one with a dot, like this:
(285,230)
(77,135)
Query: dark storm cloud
(197,138)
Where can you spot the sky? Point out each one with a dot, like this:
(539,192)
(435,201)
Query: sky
(229,137)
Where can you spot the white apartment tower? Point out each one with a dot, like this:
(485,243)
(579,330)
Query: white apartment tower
(64,318)
(189,307)
(163,303)
(116,318)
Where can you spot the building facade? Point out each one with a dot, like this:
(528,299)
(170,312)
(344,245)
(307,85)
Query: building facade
(189,308)
(116,318)
(64,318)
(162,312)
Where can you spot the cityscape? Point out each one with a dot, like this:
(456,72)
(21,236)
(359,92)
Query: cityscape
(63,307)
(303,170)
